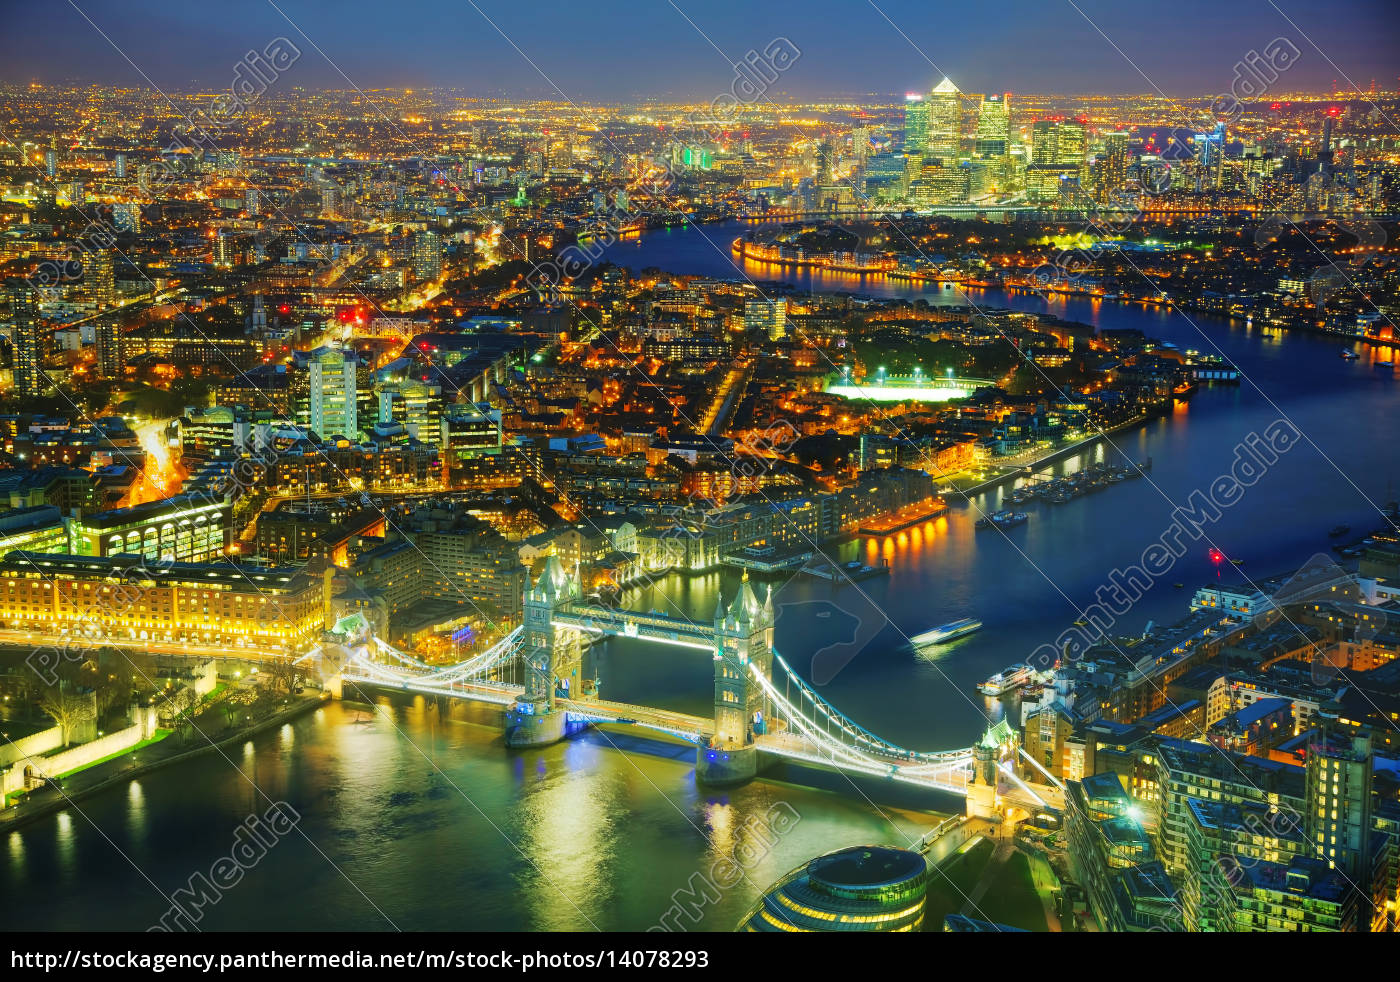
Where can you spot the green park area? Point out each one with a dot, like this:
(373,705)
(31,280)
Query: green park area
(1012,898)
(952,882)
(1008,897)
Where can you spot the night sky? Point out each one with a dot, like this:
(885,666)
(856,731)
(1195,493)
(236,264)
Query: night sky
(605,49)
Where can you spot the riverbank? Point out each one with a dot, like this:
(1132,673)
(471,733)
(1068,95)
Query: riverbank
(1056,455)
(125,768)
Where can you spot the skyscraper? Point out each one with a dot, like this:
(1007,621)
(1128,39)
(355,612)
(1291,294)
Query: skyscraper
(915,124)
(860,144)
(111,363)
(100,277)
(332,390)
(1057,158)
(119,167)
(826,162)
(427,256)
(1044,142)
(1111,167)
(1338,815)
(944,122)
(1069,144)
(993,126)
(28,346)
(1115,143)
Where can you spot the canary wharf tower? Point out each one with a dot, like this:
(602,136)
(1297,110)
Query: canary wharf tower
(945,119)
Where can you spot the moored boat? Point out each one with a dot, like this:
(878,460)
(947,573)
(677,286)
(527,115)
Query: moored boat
(1006,680)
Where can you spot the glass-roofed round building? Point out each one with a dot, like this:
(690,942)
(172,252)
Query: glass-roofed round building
(862,888)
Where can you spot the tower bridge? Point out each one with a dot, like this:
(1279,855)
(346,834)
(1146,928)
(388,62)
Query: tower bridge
(763,710)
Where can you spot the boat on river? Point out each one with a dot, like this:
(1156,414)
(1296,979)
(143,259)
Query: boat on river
(947,632)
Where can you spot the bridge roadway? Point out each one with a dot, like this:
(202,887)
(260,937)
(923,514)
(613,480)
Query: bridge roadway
(951,776)
(632,624)
(693,728)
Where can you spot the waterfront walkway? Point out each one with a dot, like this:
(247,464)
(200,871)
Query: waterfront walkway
(142,759)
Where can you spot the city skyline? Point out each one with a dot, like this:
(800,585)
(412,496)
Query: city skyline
(675,497)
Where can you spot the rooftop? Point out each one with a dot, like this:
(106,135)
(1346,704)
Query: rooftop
(866,866)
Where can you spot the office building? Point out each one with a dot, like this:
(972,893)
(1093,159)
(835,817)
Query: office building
(945,116)
(126,217)
(1114,859)
(26,339)
(766,316)
(427,257)
(331,393)
(415,405)
(190,528)
(993,126)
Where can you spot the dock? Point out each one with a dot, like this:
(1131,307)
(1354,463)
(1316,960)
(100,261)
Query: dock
(900,521)
(766,560)
(846,571)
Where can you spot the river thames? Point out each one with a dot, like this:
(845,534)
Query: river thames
(417,817)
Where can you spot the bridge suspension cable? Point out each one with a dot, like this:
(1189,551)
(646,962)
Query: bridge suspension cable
(498,654)
(852,730)
(847,748)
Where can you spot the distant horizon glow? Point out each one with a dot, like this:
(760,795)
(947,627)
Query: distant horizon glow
(495,49)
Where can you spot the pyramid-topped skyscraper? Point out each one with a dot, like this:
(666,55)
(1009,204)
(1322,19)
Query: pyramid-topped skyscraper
(945,120)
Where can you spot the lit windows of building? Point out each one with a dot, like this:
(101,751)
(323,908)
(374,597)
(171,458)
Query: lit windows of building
(126,597)
(863,888)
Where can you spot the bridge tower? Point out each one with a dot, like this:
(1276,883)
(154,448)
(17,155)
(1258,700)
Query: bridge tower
(743,640)
(342,644)
(996,744)
(553,656)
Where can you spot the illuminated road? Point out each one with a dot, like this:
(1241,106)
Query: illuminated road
(33,639)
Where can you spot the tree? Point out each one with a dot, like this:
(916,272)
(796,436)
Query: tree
(284,674)
(114,679)
(68,706)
